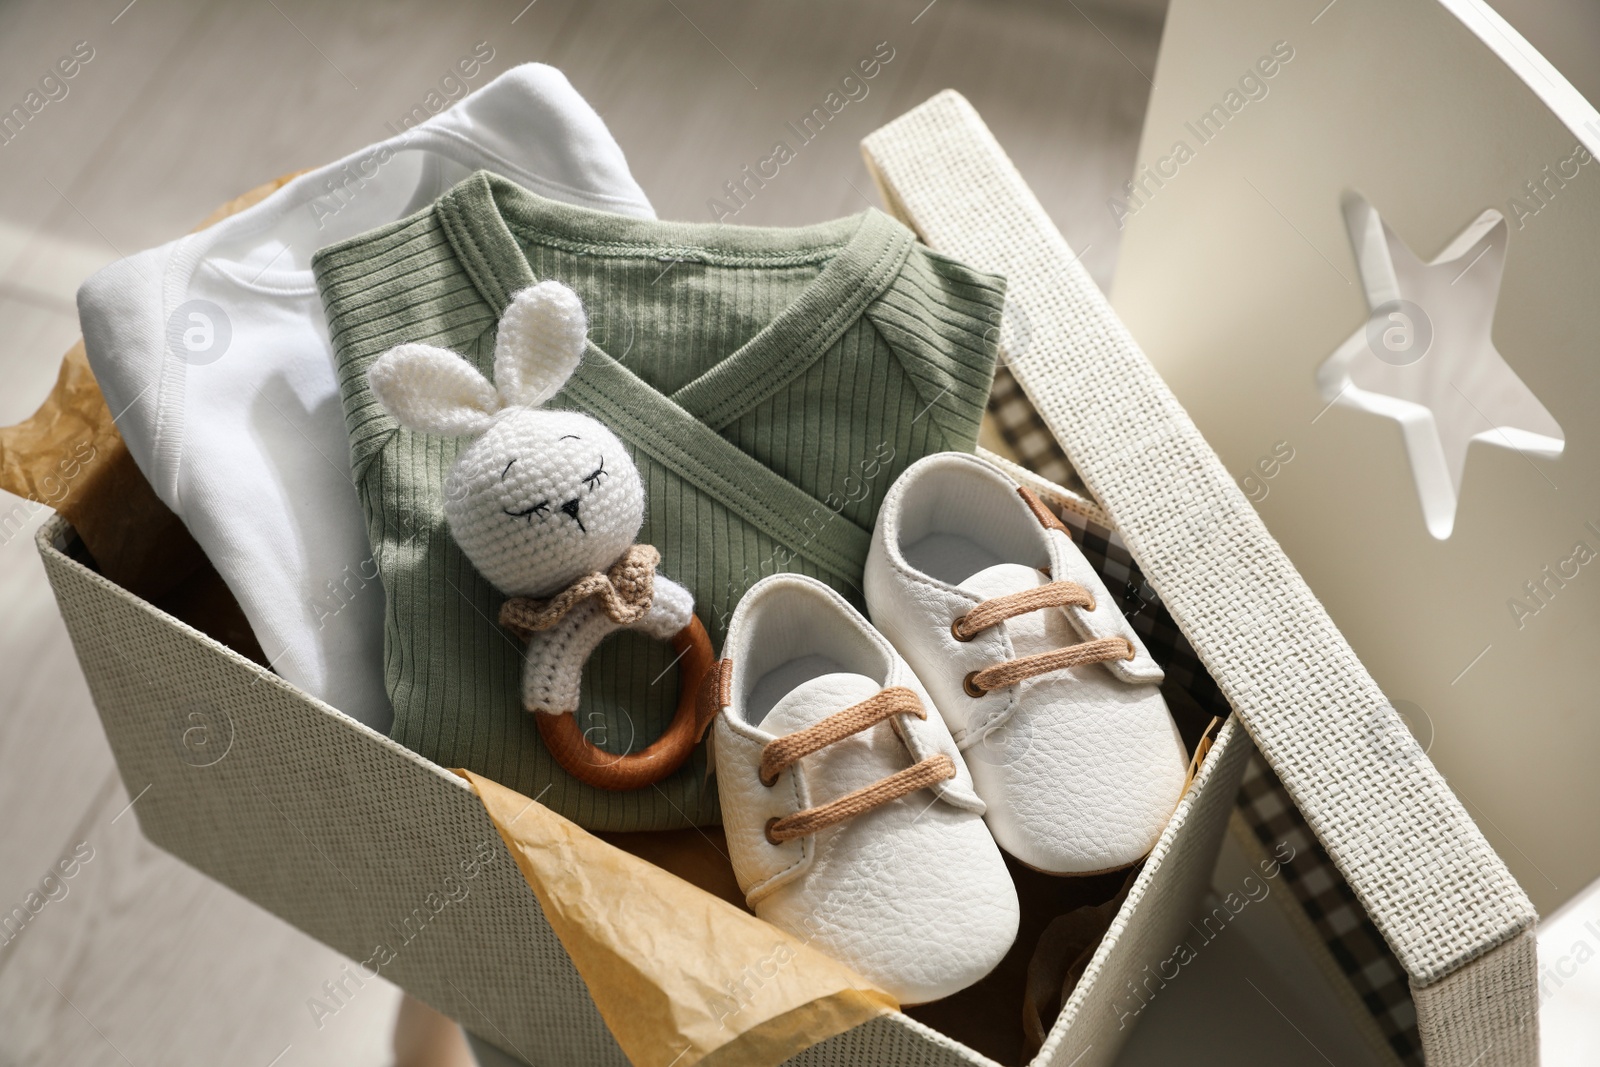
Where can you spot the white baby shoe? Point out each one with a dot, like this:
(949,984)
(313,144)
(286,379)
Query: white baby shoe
(1046,689)
(850,815)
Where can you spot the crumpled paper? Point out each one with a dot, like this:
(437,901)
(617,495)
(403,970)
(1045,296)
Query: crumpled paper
(69,456)
(680,976)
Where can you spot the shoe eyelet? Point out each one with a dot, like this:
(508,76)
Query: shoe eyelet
(956,633)
(1133,652)
(1092,605)
(970,684)
(768,831)
(762,778)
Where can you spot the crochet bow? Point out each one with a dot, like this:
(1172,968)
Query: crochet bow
(625,591)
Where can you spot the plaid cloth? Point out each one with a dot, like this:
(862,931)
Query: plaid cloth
(1025,433)
(1358,948)
(1328,902)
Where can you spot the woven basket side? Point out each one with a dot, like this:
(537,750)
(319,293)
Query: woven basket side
(323,822)
(1102,1011)
(1432,884)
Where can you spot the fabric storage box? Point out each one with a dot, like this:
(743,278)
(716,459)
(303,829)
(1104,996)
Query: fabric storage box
(346,835)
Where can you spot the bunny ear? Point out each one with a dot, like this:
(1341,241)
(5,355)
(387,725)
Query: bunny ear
(540,342)
(433,390)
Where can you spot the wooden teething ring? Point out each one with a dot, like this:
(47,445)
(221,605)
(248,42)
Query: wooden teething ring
(593,765)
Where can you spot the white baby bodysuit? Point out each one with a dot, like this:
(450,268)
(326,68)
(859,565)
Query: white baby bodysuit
(214,352)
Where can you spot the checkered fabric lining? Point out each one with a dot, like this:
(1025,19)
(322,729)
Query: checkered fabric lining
(1350,936)
(1372,970)
(1027,435)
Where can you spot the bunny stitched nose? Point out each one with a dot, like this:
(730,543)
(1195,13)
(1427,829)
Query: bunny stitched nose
(571,508)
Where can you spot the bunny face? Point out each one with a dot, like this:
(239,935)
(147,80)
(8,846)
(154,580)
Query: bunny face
(543,498)
(538,498)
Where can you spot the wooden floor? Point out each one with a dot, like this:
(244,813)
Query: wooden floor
(185,104)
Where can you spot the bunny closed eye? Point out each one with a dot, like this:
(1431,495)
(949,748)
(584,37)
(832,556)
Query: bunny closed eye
(532,509)
(528,512)
(593,478)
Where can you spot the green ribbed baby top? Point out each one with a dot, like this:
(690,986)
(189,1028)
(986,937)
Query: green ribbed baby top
(769,383)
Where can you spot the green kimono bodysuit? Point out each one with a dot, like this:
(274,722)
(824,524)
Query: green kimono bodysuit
(769,383)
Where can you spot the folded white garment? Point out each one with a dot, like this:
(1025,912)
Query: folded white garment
(213,353)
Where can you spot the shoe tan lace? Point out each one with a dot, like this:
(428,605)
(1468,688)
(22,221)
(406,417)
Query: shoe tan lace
(1009,672)
(783,752)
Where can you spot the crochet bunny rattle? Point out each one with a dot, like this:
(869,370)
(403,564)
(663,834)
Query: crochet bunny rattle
(546,505)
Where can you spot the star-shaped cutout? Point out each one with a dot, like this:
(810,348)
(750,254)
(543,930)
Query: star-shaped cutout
(1425,358)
